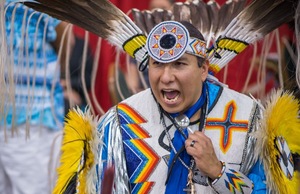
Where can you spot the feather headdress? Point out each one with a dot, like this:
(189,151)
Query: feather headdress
(249,26)
(230,28)
(106,20)
(209,18)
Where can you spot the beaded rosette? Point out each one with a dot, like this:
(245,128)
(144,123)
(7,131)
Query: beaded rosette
(169,40)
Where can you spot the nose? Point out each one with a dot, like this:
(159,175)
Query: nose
(167,74)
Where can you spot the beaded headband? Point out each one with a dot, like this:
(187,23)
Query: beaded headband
(169,40)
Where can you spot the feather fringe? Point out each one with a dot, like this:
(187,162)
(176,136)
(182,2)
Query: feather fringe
(199,17)
(252,24)
(100,17)
(147,19)
(280,118)
(79,153)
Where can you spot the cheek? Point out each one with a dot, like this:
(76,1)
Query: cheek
(192,91)
(191,78)
(191,84)
(153,77)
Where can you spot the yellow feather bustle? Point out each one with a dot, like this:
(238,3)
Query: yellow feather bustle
(78,152)
(280,119)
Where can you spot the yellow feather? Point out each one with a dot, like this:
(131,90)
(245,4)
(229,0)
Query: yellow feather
(280,118)
(78,151)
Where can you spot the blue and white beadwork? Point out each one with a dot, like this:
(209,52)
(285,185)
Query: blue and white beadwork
(169,40)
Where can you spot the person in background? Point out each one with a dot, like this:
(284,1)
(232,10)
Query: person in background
(32,107)
(163,4)
(76,95)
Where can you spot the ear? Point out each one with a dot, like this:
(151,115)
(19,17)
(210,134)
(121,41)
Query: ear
(204,72)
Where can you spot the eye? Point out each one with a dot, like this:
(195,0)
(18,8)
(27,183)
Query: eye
(156,64)
(179,63)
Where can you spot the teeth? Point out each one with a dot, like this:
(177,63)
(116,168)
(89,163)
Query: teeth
(171,100)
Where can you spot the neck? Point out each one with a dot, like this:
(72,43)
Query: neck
(196,116)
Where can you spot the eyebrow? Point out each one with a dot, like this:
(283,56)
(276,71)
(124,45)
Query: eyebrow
(182,58)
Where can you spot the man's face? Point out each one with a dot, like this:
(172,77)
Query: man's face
(177,85)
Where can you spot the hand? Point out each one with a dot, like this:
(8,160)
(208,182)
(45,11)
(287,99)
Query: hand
(71,95)
(204,154)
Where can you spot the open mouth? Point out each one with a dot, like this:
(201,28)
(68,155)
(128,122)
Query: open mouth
(170,95)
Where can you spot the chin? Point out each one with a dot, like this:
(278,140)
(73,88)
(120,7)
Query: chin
(170,109)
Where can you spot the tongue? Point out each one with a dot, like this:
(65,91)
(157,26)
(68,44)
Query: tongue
(171,95)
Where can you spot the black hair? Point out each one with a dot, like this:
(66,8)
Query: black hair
(195,33)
